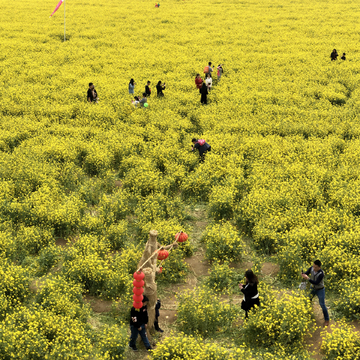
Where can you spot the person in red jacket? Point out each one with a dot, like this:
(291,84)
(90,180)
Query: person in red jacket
(198,81)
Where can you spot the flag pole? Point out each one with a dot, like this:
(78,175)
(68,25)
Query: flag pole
(64,23)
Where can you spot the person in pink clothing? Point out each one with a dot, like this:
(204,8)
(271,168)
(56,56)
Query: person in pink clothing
(220,70)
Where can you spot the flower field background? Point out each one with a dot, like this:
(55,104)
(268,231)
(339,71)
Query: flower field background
(82,185)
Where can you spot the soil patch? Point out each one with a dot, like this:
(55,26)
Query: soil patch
(60,242)
(270,269)
(98,305)
(198,265)
(118,183)
(167,317)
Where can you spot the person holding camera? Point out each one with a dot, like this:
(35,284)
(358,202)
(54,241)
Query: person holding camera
(316,280)
(159,88)
(92,96)
(250,291)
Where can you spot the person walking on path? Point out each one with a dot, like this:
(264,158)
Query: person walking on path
(220,70)
(157,314)
(202,146)
(198,81)
(204,92)
(138,323)
(208,70)
(250,291)
(316,280)
(334,55)
(147,89)
(159,88)
(92,96)
(208,82)
(132,84)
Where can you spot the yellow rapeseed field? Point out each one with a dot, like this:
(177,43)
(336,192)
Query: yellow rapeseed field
(284,170)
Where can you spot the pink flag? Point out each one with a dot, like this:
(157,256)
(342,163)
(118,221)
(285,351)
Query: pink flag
(57,6)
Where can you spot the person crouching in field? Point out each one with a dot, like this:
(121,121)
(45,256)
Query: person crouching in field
(143,101)
(138,323)
(198,81)
(92,94)
(317,286)
(250,291)
(202,146)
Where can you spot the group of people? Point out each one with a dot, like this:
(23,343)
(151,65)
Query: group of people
(334,55)
(160,87)
(205,86)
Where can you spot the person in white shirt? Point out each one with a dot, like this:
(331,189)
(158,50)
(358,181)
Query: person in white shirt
(208,82)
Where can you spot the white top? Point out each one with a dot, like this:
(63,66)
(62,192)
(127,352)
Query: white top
(208,82)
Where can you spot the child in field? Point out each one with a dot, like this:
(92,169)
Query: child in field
(136,101)
(143,100)
(343,56)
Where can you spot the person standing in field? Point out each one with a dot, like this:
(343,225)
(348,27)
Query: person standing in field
(138,323)
(334,55)
(202,146)
(250,291)
(198,81)
(147,89)
(343,56)
(157,314)
(208,70)
(92,94)
(204,92)
(316,280)
(208,82)
(219,71)
(159,88)
(132,84)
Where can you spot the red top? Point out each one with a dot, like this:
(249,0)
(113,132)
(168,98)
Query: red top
(198,82)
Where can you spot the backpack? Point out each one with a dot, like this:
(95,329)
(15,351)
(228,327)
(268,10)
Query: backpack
(201,142)
(206,69)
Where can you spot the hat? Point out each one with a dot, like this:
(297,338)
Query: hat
(145,299)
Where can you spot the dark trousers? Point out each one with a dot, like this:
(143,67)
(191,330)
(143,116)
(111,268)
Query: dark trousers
(134,334)
(204,99)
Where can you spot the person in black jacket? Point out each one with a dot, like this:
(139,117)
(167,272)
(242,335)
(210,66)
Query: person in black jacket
(251,295)
(138,322)
(160,88)
(334,55)
(157,314)
(147,89)
(204,92)
(202,146)
(92,95)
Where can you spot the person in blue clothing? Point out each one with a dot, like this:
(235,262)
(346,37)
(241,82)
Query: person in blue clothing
(202,146)
(316,280)
(132,84)
(138,323)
